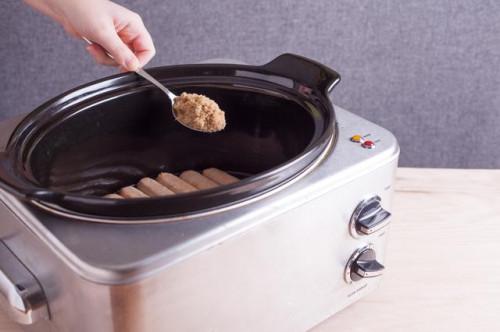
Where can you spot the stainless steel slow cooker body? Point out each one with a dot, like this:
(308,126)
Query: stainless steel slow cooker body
(110,133)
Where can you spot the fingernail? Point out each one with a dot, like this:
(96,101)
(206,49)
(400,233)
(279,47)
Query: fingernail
(132,64)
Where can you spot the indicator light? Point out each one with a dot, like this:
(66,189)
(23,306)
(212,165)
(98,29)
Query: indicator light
(357,139)
(368,144)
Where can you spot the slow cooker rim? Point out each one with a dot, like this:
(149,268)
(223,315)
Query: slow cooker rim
(16,138)
(24,150)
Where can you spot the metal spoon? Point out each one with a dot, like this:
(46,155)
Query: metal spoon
(141,72)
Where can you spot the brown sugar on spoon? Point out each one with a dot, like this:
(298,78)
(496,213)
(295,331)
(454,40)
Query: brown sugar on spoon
(199,112)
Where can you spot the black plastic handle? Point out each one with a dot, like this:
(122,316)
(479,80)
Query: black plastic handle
(302,69)
(20,188)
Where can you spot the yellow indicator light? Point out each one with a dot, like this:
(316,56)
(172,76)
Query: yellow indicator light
(357,139)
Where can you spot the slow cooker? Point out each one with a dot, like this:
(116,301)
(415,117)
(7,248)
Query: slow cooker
(299,237)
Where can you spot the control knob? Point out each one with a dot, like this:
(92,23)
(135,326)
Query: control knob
(368,217)
(363,264)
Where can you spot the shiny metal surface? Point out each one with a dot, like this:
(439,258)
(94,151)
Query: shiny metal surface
(20,293)
(143,249)
(275,264)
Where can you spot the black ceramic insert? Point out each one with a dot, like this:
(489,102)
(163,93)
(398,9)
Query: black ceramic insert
(108,134)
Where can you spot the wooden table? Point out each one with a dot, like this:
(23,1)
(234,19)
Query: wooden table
(443,258)
(443,264)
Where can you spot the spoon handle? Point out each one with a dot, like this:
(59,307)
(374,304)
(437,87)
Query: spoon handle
(145,75)
(153,80)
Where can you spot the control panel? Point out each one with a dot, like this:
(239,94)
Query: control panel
(368,218)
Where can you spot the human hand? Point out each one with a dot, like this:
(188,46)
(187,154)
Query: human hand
(110,27)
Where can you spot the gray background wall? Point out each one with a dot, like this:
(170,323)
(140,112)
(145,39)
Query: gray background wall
(429,70)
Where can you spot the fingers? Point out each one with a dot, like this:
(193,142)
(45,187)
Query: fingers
(138,38)
(100,55)
(144,49)
(121,53)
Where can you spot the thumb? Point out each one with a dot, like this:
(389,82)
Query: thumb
(120,52)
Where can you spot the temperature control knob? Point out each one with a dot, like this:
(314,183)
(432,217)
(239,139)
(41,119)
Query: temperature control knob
(368,217)
(363,264)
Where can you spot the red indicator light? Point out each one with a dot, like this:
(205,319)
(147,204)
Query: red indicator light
(368,144)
